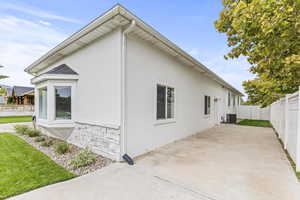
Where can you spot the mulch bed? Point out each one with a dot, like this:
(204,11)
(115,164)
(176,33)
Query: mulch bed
(64,159)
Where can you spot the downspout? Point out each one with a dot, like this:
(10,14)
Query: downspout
(123,88)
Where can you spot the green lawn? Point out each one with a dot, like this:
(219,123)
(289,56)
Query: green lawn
(14,119)
(260,123)
(24,168)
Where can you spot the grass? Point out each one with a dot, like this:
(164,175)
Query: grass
(260,123)
(15,119)
(24,168)
(288,157)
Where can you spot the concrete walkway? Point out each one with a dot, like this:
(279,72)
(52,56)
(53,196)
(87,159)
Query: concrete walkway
(224,163)
(9,127)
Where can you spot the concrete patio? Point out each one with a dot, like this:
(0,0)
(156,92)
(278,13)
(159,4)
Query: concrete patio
(227,162)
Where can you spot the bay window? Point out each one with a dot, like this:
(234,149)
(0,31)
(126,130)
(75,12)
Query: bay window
(62,102)
(43,103)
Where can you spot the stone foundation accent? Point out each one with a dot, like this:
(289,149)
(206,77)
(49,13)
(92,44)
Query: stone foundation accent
(100,139)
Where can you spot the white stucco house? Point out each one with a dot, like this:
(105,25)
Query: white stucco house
(119,86)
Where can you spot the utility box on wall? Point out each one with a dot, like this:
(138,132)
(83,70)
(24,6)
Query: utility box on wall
(231,118)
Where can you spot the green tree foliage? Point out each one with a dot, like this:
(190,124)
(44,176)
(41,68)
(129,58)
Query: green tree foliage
(267,32)
(2,91)
(3,76)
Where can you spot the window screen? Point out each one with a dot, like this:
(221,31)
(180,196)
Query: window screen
(206,105)
(161,102)
(63,102)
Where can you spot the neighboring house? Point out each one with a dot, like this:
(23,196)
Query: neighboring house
(23,95)
(8,93)
(2,100)
(119,86)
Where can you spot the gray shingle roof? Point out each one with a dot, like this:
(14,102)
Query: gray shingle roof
(62,69)
(20,90)
(9,91)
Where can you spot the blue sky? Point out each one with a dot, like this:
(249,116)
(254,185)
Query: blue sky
(30,28)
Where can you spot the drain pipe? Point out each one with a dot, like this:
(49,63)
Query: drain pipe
(123,93)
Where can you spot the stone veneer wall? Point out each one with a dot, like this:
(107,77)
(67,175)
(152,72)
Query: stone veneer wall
(100,139)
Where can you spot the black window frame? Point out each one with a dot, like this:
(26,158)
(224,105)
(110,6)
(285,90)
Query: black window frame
(229,98)
(207,105)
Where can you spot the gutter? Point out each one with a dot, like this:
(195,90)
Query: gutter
(123,87)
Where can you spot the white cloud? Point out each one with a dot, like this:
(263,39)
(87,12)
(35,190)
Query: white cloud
(45,23)
(21,43)
(37,12)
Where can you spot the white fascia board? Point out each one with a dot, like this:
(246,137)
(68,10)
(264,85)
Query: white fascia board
(109,16)
(85,30)
(45,77)
(156,35)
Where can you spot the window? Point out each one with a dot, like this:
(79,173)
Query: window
(63,102)
(165,99)
(43,103)
(233,102)
(206,105)
(228,98)
(170,105)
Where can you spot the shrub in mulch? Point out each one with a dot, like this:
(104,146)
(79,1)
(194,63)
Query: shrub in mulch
(47,143)
(62,147)
(32,132)
(73,158)
(21,129)
(84,158)
(39,139)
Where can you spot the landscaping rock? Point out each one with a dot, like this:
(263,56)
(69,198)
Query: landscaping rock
(64,159)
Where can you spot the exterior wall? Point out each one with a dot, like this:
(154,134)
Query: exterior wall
(28,100)
(148,66)
(96,97)
(100,139)
(98,88)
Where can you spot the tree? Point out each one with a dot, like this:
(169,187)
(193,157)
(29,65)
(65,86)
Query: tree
(2,76)
(2,91)
(267,32)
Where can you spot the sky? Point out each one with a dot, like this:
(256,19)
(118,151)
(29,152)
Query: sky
(30,28)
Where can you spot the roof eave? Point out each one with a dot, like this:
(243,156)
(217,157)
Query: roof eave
(86,29)
(120,10)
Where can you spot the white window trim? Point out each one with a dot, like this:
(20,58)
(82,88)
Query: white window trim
(229,103)
(166,120)
(72,99)
(37,100)
(207,115)
(51,120)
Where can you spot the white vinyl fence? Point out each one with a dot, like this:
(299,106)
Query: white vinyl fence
(253,112)
(286,121)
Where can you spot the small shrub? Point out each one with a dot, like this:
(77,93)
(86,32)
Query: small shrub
(83,158)
(10,100)
(62,147)
(21,129)
(39,139)
(47,143)
(32,132)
